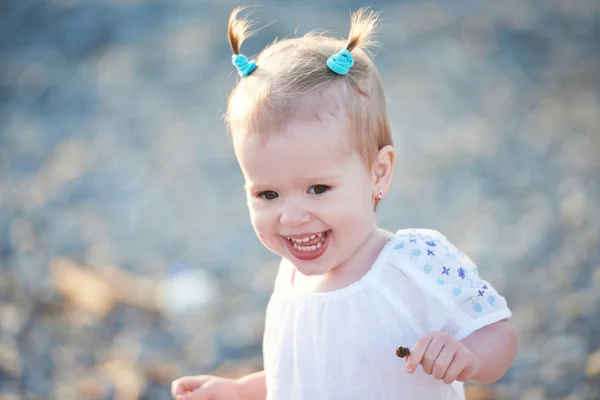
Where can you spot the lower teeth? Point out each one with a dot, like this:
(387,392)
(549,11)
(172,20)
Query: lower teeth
(313,247)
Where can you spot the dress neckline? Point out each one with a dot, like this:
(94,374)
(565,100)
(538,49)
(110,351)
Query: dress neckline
(353,287)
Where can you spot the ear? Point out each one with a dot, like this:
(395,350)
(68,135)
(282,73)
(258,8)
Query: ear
(383,170)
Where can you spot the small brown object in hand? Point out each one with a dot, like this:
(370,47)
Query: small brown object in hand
(402,352)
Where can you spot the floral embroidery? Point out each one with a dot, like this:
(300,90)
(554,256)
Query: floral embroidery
(474,288)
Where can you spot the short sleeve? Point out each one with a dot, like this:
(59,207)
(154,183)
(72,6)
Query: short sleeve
(461,300)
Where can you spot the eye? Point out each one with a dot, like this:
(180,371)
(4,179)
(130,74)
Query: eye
(318,189)
(267,195)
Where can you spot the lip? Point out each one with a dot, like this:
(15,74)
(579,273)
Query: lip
(307,255)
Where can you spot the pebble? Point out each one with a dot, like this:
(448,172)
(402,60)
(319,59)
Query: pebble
(592,365)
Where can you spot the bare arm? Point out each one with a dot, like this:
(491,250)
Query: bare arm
(253,386)
(495,348)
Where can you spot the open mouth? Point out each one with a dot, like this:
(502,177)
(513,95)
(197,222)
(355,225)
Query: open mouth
(309,247)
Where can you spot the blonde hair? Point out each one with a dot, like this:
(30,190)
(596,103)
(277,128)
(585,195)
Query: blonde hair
(293,82)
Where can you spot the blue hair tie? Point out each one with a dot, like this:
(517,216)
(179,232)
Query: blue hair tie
(341,62)
(242,64)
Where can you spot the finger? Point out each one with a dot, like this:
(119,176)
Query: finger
(433,351)
(187,384)
(203,393)
(454,369)
(466,372)
(460,365)
(417,352)
(443,361)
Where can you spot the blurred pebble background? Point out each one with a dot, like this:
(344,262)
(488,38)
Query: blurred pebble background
(126,255)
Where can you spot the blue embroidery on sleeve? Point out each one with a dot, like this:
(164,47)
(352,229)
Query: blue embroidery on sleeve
(473,287)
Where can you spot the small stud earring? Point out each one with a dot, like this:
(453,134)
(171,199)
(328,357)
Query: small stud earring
(380,194)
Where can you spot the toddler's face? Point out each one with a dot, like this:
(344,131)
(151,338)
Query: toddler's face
(310,195)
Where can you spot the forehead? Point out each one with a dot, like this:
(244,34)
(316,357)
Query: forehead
(301,150)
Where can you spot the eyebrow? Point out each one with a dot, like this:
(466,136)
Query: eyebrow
(263,186)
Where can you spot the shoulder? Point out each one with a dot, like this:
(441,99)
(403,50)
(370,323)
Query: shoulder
(460,300)
(433,262)
(428,244)
(434,256)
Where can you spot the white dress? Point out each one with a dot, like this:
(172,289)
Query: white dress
(341,345)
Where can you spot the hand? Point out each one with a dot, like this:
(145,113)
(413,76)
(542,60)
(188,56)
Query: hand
(205,387)
(443,357)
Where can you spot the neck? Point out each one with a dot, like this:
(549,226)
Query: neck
(352,268)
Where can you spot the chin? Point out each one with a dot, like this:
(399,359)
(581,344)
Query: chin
(309,270)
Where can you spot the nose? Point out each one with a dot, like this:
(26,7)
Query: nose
(293,214)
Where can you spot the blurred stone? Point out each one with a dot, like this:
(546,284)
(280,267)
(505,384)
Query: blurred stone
(575,305)
(22,235)
(234,370)
(12,317)
(560,355)
(161,372)
(10,359)
(535,393)
(64,390)
(10,396)
(574,208)
(201,347)
(81,287)
(186,290)
(576,396)
(92,386)
(526,320)
(125,377)
(474,392)
(592,365)
(596,278)
(131,289)
(242,330)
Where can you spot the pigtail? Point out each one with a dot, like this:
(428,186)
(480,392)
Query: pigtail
(362,29)
(238,30)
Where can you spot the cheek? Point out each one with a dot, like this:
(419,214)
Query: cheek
(261,220)
(351,215)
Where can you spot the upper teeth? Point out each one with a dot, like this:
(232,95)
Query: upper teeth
(305,239)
